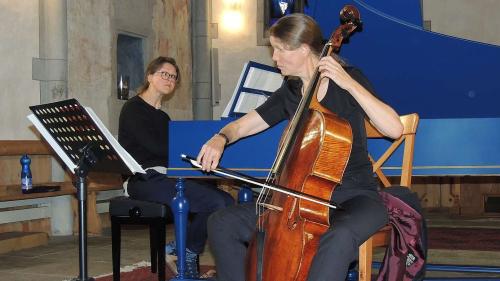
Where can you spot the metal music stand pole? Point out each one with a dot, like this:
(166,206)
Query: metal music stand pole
(87,160)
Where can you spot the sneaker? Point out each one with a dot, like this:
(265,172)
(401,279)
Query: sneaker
(171,249)
(192,268)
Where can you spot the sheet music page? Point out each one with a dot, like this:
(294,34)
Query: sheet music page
(52,142)
(258,79)
(249,101)
(231,101)
(263,80)
(126,157)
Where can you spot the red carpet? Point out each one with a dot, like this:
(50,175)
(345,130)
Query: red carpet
(143,273)
(478,239)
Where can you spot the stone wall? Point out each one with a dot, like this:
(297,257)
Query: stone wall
(172,37)
(19,44)
(469,19)
(165,26)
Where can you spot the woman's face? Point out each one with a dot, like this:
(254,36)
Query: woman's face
(290,62)
(164,79)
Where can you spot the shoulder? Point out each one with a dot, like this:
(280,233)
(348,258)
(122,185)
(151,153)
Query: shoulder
(355,73)
(132,103)
(361,78)
(132,109)
(290,86)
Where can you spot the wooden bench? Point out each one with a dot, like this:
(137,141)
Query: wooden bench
(30,233)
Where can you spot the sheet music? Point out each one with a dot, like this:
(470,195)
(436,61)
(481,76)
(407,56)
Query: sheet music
(258,79)
(263,80)
(231,101)
(52,142)
(249,101)
(129,161)
(126,157)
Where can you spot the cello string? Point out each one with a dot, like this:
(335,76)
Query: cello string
(290,135)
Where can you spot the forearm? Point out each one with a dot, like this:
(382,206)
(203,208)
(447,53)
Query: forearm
(231,132)
(247,125)
(212,150)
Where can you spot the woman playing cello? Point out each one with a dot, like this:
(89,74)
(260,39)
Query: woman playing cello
(297,43)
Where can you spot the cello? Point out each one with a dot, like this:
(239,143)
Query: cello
(311,160)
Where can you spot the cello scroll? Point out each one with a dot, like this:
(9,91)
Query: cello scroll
(350,20)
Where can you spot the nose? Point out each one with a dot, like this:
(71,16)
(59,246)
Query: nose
(275,56)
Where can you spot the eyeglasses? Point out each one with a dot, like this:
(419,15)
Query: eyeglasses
(167,76)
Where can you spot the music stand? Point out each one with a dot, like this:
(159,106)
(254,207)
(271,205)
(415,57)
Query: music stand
(82,142)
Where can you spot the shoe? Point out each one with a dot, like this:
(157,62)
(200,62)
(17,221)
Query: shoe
(192,267)
(171,249)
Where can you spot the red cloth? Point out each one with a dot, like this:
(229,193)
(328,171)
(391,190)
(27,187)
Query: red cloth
(404,258)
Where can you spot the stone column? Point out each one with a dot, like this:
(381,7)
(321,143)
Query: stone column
(51,70)
(51,67)
(202,67)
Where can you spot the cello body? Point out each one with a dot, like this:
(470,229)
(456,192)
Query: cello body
(292,233)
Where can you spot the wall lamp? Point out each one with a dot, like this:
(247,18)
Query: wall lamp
(232,17)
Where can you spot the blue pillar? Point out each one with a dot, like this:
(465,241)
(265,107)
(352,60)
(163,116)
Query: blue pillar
(352,275)
(245,194)
(180,209)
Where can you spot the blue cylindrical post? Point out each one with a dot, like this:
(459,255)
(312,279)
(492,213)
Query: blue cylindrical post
(180,208)
(26,181)
(352,275)
(245,194)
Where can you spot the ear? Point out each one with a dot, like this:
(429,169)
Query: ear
(305,49)
(150,76)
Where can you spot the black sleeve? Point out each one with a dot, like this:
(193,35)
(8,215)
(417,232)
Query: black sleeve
(273,109)
(139,132)
(342,102)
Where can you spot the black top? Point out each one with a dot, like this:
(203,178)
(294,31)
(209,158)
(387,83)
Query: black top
(284,102)
(143,132)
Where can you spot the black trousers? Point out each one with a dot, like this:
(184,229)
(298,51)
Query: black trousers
(230,230)
(204,199)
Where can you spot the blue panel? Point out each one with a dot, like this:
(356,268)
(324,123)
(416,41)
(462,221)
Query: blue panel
(450,147)
(442,147)
(415,70)
(252,156)
(408,11)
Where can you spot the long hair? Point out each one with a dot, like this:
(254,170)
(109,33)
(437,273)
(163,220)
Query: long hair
(153,67)
(296,29)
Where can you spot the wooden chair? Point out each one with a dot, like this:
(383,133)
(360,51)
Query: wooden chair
(381,238)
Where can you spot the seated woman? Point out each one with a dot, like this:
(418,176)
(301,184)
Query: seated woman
(296,40)
(143,132)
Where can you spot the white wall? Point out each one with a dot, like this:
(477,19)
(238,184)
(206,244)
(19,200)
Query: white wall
(18,45)
(476,20)
(235,49)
